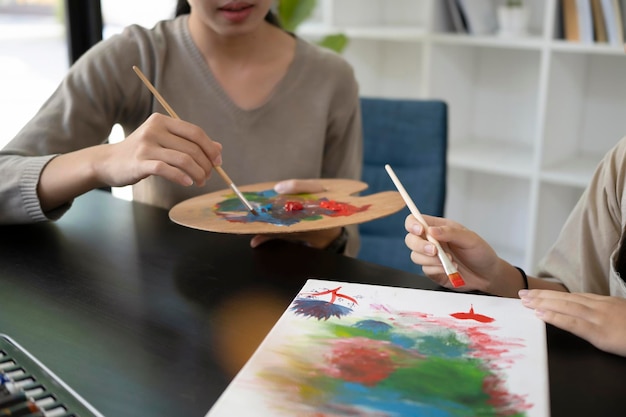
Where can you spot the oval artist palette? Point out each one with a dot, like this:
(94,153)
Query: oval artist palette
(222,212)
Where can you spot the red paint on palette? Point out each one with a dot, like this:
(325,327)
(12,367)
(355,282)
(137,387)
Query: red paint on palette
(293,206)
(341,209)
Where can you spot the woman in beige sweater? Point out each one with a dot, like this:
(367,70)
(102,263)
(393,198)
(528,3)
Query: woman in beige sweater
(263,102)
(580,286)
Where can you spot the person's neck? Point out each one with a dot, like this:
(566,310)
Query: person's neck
(238,49)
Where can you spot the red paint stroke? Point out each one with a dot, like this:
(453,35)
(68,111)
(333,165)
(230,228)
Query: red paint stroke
(361,361)
(335,294)
(473,316)
(341,209)
(416,314)
(293,206)
(380,307)
(485,346)
(502,399)
(283,210)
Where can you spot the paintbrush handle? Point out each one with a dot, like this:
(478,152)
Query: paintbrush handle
(224,175)
(173,114)
(445,261)
(407,198)
(156,94)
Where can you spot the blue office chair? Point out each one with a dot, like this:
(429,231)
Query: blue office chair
(412,137)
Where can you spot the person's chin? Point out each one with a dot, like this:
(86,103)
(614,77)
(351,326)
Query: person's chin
(237,30)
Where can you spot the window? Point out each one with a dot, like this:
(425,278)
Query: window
(34,52)
(116,14)
(33,59)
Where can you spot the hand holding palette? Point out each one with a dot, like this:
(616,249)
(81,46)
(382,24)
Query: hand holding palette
(223,212)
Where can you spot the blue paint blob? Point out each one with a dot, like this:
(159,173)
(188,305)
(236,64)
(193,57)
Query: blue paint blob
(270,207)
(405,342)
(319,309)
(443,346)
(362,400)
(374,326)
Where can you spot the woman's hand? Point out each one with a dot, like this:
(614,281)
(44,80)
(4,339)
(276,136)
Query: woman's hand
(318,239)
(476,261)
(170,148)
(601,320)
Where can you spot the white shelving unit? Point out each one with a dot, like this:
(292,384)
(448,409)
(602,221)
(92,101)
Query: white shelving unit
(530,117)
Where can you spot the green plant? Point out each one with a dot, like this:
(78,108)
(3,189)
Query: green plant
(293,12)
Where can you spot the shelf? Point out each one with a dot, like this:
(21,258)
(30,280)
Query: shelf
(576,172)
(492,157)
(381,33)
(528,42)
(530,117)
(581,48)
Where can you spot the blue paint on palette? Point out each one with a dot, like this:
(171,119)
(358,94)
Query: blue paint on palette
(282,210)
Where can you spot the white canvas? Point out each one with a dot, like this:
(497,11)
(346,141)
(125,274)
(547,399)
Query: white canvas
(344,349)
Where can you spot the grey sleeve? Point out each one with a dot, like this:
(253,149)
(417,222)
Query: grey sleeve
(79,114)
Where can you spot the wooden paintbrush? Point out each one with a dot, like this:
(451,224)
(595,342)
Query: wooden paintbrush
(173,114)
(453,275)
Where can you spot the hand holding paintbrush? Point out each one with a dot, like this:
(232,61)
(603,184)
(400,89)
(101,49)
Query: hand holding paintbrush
(453,275)
(173,114)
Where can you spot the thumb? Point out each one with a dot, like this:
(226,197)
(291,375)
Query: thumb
(258,240)
(460,237)
(442,233)
(294,186)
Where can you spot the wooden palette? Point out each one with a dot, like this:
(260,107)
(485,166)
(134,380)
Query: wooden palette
(211,212)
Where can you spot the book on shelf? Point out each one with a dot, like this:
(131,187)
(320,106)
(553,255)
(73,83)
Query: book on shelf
(559,24)
(480,16)
(621,4)
(599,26)
(612,13)
(571,28)
(585,20)
(620,10)
(458,20)
(578,21)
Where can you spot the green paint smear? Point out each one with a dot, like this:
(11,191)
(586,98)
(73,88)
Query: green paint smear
(446,344)
(310,218)
(349,331)
(430,378)
(456,384)
(457,380)
(449,384)
(445,339)
(232,202)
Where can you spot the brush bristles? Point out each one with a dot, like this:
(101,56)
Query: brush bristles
(456,280)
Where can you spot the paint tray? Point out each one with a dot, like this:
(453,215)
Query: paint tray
(26,374)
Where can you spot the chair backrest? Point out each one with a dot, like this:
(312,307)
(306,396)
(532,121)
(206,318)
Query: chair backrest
(412,137)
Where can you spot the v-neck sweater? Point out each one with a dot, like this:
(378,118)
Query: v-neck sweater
(309,127)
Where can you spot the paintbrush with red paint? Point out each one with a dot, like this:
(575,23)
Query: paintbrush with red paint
(453,275)
(173,114)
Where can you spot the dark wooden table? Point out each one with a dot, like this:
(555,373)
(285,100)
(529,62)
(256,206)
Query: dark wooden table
(143,317)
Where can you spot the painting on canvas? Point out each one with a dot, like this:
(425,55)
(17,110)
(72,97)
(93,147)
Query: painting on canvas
(344,349)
